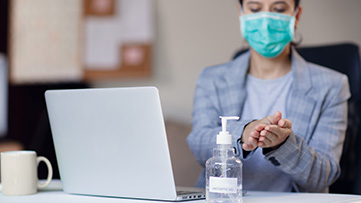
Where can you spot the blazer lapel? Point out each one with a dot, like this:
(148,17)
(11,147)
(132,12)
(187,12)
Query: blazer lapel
(301,104)
(234,86)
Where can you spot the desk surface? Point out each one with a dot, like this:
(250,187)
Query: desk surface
(54,193)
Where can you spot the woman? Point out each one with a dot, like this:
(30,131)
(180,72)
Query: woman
(293,114)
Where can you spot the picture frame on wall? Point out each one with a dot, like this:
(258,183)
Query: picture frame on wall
(118,39)
(45,40)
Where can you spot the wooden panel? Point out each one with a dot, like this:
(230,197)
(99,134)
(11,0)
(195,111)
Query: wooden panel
(99,7)
(136,62)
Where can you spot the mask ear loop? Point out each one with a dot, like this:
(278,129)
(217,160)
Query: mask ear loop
(241,9)
(297,42)
(296,12)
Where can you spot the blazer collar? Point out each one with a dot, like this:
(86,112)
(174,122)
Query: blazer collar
(238,69)
(302,102)
(301,73)
(302,80)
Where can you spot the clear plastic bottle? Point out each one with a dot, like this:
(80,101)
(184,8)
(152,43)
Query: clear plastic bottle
(224,171)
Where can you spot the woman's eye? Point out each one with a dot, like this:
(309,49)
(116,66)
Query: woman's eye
(255,10)
(279,10)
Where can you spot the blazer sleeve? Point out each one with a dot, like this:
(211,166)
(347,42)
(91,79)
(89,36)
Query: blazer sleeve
(206,123)
(314,164)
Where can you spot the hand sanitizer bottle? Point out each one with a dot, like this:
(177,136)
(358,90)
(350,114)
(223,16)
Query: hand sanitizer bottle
(224,170)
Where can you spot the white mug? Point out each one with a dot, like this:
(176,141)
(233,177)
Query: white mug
(19,171)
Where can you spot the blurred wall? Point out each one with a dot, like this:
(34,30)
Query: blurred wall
(191,35)
(330,21)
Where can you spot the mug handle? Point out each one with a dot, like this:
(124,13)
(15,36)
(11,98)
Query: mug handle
(50,171)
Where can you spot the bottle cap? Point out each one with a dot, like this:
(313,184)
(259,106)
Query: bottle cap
(223,136)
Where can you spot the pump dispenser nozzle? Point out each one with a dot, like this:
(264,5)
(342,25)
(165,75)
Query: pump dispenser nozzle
(224,137)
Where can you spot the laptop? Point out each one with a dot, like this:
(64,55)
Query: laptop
(112,142)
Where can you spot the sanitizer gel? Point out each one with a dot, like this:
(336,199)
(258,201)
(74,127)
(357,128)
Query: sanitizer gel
(224,170)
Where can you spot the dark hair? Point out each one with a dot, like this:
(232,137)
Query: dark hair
(297,2)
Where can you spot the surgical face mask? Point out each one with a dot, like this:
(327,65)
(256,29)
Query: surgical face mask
(268,33)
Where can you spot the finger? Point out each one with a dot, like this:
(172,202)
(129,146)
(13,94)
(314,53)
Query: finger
(285,123)
(248,147)
(260,127)
(278,131)
(265,143)
(267,120)
(254,134)
(276,117)
(268,135)
(252,141)
(260,144)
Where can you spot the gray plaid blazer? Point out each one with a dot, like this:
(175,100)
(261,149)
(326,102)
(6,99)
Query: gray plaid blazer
(317,109)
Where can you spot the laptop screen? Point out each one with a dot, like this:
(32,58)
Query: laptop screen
(111,142)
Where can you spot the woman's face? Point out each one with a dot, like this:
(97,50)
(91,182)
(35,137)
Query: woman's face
(270,38)
(277,6)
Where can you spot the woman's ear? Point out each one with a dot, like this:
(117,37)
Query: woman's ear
(239,8)
(298,16)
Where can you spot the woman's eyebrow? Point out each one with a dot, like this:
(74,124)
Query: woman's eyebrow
(253,2)
(279,2)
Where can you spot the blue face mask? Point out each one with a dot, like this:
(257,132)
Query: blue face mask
(268,33)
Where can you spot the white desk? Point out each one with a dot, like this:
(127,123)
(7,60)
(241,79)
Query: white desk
(54,193)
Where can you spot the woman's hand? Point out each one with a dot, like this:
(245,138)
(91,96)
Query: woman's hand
(272,136)
(271,131)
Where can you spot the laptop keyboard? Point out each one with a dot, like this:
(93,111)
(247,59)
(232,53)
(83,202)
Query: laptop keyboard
(183,192)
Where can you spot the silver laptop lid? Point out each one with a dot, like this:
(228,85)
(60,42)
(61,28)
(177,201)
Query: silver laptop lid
(111,142)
